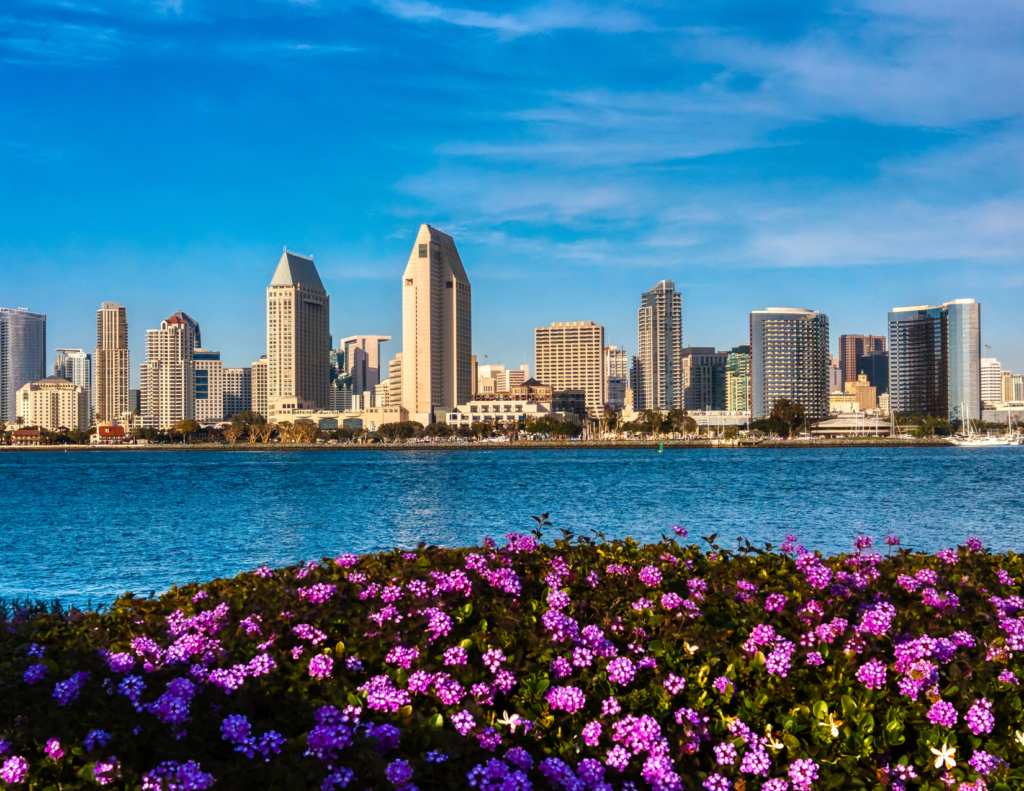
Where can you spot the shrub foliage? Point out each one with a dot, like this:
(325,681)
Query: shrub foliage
(579,664)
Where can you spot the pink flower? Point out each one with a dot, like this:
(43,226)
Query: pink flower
(320,666)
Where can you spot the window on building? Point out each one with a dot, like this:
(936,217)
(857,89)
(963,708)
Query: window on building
(423,251)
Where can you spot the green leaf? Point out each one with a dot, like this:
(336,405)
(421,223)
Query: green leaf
(466,643)
(849,705)
(820,710)
(436,721)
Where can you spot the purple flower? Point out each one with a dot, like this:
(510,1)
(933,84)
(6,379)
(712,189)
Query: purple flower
(892,541)
(96,738)
(35,673)
(725,753)
(776,784)
(943,713)
(1008,677)
(54,750)
(120,663)
(717,783)
(105,772)
(621,671)
(561,668)
(872,674)
(591,733)
(67,691)
(519,758)
(985,763)
(463,722)
(680,531)
(979,718)
(456,655)
(618,757)
(650,576)
(14,770)
(814,659)
(381,695)
(756,762)
(674,684)
(172,776)
(398,772)
(775,602)
(567,699)
(489,739)
(610,707)
(803,773)
(435,757)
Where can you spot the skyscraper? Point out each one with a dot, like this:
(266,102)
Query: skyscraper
(737,379)
(1005,386)
(22,355)
(258,381)
(656,377)
(363,361)
(76,366)
(991,382)
(168,375)
(237,391)
(852,348)
(616,376)
(875,365)
(935,359)
(209,374)
(298,332)
(111,374)
(703,378)
(569,355)
(437,327)
(789,359)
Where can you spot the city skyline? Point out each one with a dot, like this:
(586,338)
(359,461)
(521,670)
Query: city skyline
(837,159)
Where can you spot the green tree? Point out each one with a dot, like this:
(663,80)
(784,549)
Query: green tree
(675,419)
(185,428)
(791,413)
(565,430)
(731,432)
(247,418)
(653,419)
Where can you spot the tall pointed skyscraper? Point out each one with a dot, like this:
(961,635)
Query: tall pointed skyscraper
(437,328)
(298,332)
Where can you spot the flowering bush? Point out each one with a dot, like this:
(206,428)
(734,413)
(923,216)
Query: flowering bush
(571,665)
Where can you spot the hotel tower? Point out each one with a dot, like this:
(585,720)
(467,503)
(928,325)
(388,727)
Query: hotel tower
(437,328)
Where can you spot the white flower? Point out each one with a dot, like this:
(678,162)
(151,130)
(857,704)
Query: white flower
(832,724)
(944,756)
(512,722)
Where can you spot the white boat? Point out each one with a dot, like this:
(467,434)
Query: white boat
(972,440)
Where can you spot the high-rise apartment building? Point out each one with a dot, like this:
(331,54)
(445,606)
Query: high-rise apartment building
(260,388)
(209,374)
(852,348)
(237,391)
(656,376)
(1018,387)
(75,365)
(395,381)
(737,379)
(437,328)
(789,359)
(111,359)
(168,375)
(875,366)
(54,403)
(703,378)
(22,355)
(1005,386)
(836,378)
(935,359)
(569,355)
(496,378)
(991,382)
(616,376)
(298,332)
(362,360)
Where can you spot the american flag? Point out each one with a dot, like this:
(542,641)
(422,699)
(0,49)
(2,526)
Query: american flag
(987,347)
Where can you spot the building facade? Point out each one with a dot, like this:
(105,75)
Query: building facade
(991,382)
(789,359)
(237,391)
(865,393)
(1018,387)
(437,327)
(54,403)
(852,348)
(1005,386)
(22,355)
(75,365)
(655,378)
(616,376)
(209,376)
(935,359)
(111,372)
(168,375)
(737,379)
(875,366)
(703,378)
(260,387)
(569,355)
(298,332)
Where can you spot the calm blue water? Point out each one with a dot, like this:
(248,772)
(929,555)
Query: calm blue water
(83,526)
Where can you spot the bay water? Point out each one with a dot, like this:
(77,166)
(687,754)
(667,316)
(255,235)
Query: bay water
(86,526)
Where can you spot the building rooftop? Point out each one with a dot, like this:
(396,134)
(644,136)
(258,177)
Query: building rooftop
(294,270)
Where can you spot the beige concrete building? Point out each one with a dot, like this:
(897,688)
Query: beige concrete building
(168,375)
(295,410)
(500,412)
(866,395)
(991,382)
(437,327)
(1005,386)
(111,362)
(298,332)
(843,403)
(395,381)
(209,386)
(258,381)
(656,375)
(569,355)
(703,378)
(237,391)
(616,376)
(53,403)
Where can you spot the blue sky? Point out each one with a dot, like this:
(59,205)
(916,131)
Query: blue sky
(847,157)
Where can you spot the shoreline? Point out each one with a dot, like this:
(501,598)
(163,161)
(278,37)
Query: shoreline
(478,446)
